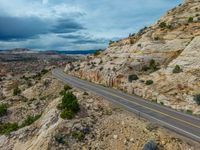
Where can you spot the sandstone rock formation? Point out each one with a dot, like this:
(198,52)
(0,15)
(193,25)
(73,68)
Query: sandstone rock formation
(172,40)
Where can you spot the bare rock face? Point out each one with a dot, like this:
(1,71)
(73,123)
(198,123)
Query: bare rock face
(173,40)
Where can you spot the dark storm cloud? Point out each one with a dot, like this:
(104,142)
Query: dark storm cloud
(83,39)
(21,28)
(74,24)
(66,26)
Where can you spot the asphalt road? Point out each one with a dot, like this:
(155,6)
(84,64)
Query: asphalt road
(184,124)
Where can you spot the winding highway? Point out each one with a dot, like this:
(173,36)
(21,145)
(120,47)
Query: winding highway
(184,124)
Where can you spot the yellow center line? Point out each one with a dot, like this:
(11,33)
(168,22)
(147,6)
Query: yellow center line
(147,107)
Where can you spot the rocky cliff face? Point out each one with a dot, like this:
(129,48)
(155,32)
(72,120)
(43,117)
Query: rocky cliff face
(166,53)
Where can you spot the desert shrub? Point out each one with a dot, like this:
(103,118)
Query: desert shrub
(151,145)
(44,71)
(16,91)
(61,139)
(156,38)
(3,109)
(29,120)
(153,65)
(111,42)
(69,106)
(169,26)
(97,53)
(142,31)
(177,69)
(67,87)
(149,82)
(197,99)
(145,68)
(78,135)
(162,103)
(162,25)
(132,77)
(189,111)
(190,20)
(70,102)
(67,114)
(6,128)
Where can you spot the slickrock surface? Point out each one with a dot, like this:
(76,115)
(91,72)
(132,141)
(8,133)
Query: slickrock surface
(172,40)
(102,125)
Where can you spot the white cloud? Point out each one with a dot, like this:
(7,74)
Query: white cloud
(102,19)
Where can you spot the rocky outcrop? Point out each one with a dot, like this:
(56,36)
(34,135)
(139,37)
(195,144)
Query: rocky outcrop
(172,40)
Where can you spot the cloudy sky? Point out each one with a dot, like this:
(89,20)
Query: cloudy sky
(74,24)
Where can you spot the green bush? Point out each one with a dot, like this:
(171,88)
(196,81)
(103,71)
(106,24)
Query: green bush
(197,99)
(67,114)
(78,135)
(69,106)
(162,25)
(69,101)
(29,120)
(177,69)
(132,77)
(149,82)
(16,91)
(8,127)
(190,20)
(67,87)
(153,65)
(3,109)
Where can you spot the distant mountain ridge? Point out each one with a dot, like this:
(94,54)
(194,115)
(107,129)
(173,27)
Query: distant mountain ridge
(67,52)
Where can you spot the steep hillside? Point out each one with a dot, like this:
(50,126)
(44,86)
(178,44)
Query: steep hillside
(160,62)
(98,125)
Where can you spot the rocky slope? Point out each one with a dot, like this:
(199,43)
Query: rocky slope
(98,125)
(166,53)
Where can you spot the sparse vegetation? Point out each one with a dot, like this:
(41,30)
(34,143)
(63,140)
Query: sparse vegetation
(156,38)
(16,91)
(69,106)
(162,25)
(29,120)
(149,82)
(197,99)
(132,77)
(98,52)
(65,89)
(61,139)
(153,66)
(190,19)
(111,42)
(3,109)
(40,74)
(67,114)
(6,128)
(190,112)
(177,69)
(78,135)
